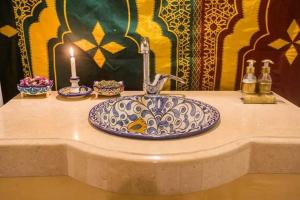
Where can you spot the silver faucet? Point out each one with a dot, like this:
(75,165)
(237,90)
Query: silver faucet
(160,79)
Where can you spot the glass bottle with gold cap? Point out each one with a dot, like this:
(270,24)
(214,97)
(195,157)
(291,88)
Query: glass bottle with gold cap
(265,80)
(249,80)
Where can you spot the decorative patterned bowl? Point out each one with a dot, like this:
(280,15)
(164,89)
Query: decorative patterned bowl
(108,88)
(153,117)
(35,86)
(34,90)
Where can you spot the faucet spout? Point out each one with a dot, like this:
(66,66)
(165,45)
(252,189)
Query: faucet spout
(160,80)
(175,78)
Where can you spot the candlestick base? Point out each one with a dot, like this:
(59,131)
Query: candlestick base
(74,84)
(75,90)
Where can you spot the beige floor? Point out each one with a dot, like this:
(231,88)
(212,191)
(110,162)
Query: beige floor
(249,187)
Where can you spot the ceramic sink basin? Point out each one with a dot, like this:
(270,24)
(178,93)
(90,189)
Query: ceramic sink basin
(153,117)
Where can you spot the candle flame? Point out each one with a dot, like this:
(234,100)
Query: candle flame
(71,52)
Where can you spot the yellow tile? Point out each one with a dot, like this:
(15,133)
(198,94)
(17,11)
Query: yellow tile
(98,33)
(293,30)
(8,31)
(113,47)
(99,58)
(291,54)
(278,44)
(85,45)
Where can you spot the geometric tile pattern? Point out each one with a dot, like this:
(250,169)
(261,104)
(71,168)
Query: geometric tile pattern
(291,53)
(98,35)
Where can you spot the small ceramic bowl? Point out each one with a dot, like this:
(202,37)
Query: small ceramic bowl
(37,89)
(108,88)
(34,90)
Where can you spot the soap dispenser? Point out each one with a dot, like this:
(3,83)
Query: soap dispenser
(265,80)
(249,80)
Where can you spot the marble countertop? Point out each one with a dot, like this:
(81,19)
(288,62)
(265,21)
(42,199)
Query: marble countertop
(59,118)
(59,121)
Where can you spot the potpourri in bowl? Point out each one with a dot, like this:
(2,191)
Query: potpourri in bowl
(108,88)
(35,86)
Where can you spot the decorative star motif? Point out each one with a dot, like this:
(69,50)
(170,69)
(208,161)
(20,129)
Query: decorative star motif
(98,34)
(8,31)
(291,54)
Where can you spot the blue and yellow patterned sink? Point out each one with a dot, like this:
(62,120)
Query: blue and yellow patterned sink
(153,117)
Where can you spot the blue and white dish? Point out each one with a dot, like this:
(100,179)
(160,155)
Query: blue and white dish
(69,92)
(34,90)
(153,117)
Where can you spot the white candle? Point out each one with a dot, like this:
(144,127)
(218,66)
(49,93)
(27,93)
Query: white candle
(73,65)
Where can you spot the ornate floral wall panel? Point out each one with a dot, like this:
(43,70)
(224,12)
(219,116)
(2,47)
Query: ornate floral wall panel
(205,42)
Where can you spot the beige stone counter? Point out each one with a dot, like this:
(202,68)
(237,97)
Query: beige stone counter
(52,136)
